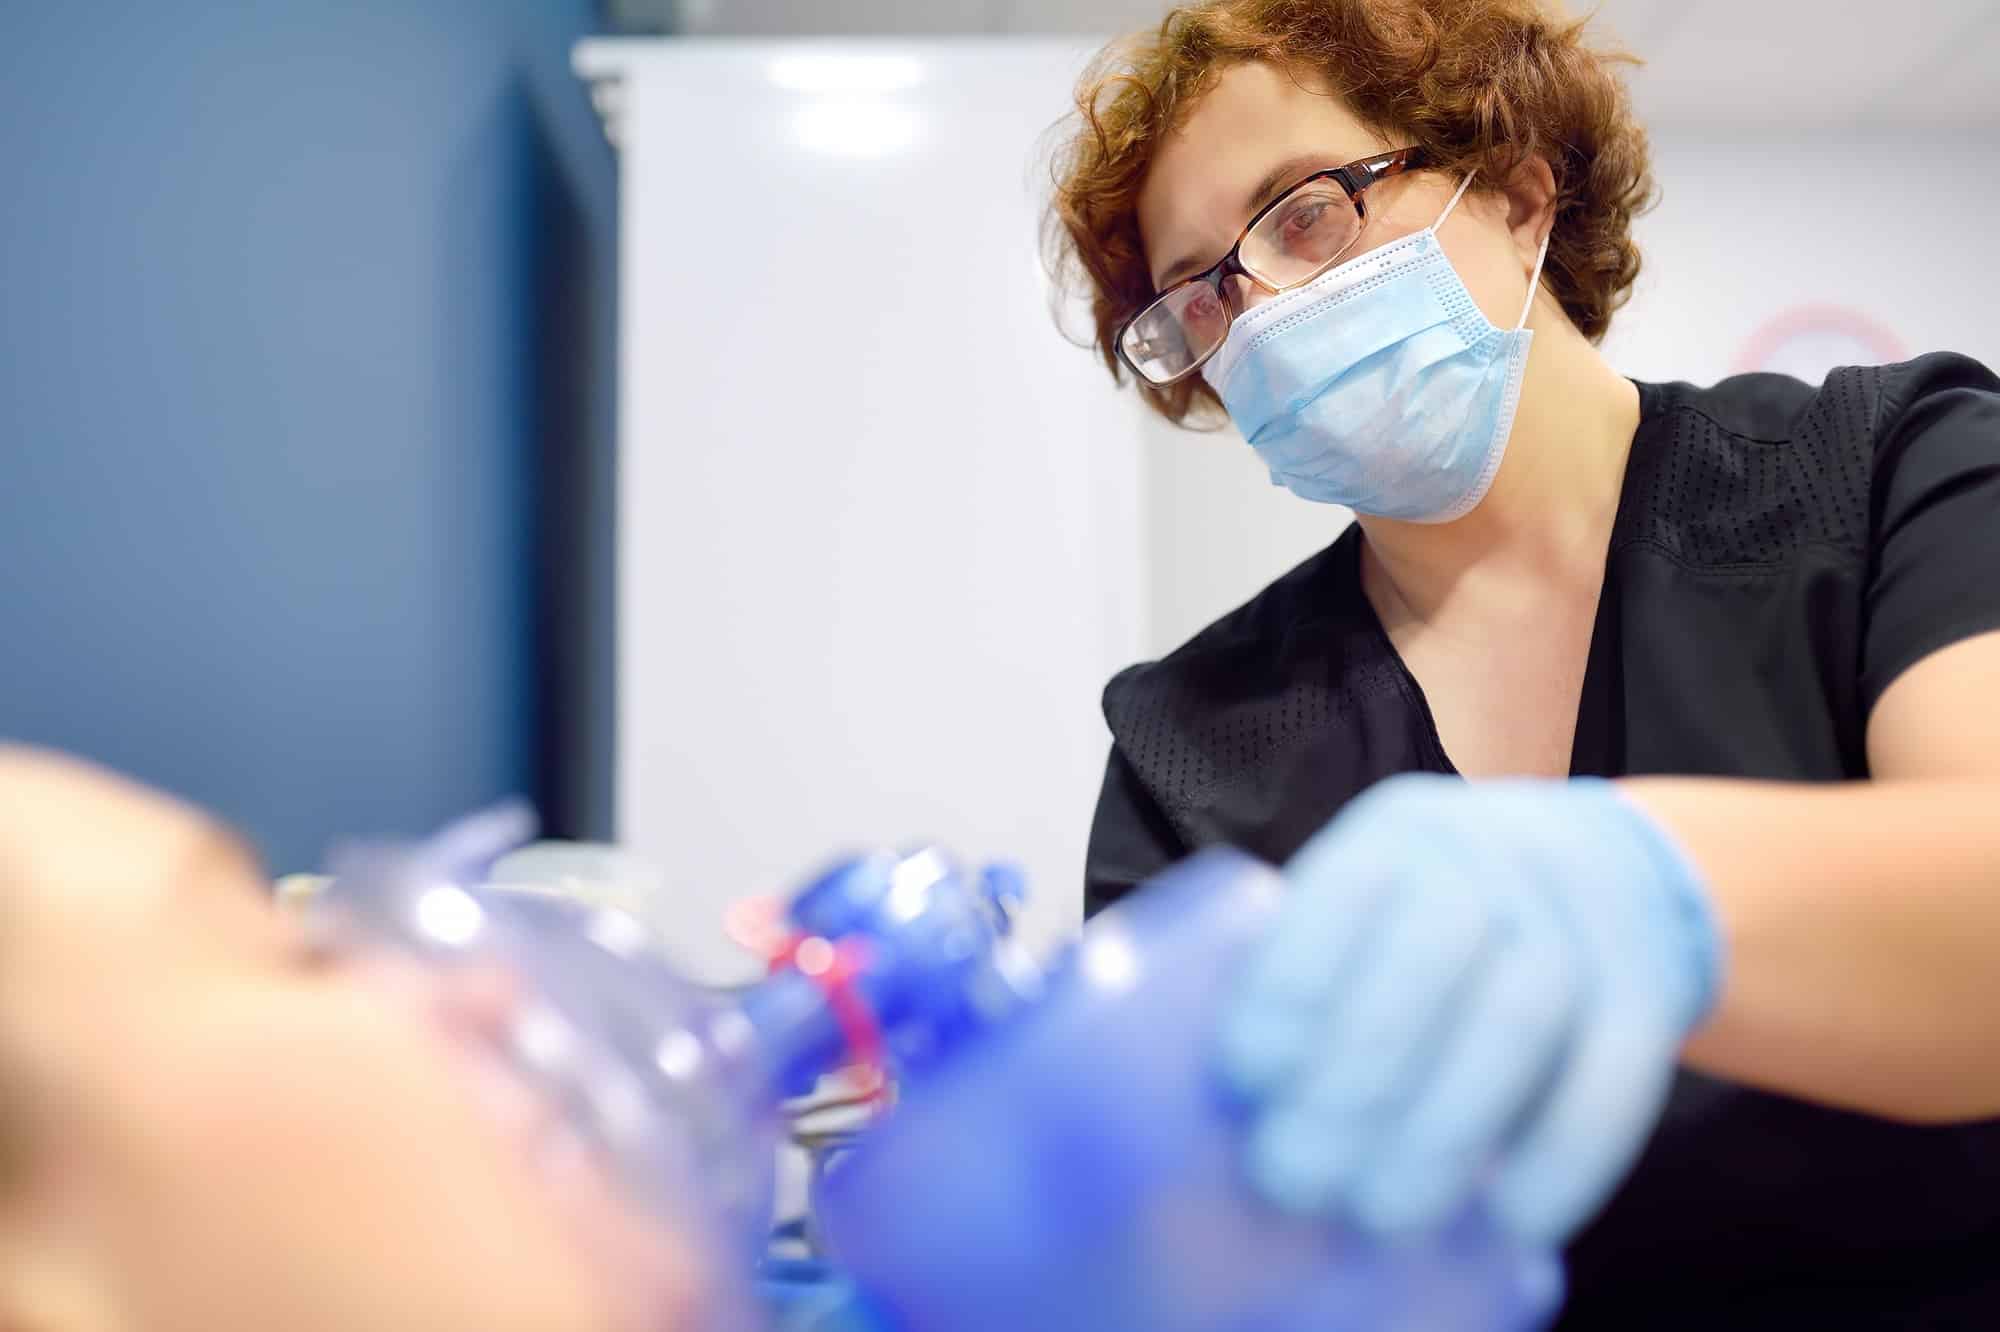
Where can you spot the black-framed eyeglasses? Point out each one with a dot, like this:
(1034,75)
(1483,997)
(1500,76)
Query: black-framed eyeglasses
(1292,240)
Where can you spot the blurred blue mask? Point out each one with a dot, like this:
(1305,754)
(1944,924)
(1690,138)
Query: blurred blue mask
(1380,384)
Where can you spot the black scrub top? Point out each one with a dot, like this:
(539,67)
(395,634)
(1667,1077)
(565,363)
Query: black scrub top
(1781,553)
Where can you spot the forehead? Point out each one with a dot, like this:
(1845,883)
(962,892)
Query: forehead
(1197,194)
(78,844)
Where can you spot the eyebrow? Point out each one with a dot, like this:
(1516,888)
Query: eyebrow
(1293,168)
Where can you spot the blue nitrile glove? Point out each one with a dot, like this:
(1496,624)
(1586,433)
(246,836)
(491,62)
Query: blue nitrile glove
(1474,987)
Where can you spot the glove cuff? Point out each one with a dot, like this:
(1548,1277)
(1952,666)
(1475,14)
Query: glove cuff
(1687,898)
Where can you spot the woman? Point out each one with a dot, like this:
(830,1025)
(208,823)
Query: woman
(207,1127)
(1699,973)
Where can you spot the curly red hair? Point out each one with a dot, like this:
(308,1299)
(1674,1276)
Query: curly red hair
(1480,84)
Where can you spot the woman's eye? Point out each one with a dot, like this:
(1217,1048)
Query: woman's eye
(1305,219)
(1204,315)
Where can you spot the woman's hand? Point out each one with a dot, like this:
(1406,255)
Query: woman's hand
(1473,987)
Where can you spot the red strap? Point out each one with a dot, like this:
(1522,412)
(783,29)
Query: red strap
(835,966)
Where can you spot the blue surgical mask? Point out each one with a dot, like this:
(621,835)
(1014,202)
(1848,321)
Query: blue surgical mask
(1379,384)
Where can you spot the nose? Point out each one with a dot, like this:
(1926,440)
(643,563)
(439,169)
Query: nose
(478,1001)
(1245,294)
(474,1002)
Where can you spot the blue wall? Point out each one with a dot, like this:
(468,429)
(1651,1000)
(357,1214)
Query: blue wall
(305,406)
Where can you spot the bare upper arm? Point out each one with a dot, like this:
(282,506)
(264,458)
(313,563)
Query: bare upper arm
(1941,717)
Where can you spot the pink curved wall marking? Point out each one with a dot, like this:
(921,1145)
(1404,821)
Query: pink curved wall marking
(1832,324)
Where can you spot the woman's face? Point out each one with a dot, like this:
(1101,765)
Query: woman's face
(210,1130)
(1258,132)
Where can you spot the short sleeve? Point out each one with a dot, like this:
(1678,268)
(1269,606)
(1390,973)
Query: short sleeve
(1934,567)
(1130,838)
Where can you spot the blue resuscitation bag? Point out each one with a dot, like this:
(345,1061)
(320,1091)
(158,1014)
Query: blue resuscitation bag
(1072,1166)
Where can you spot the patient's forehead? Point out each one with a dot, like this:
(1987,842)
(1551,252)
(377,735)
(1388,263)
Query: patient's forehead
(81,847)
(50,801)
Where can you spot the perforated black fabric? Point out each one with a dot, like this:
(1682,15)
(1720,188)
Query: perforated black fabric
(1713,493)
(1226,705)
(1184,734)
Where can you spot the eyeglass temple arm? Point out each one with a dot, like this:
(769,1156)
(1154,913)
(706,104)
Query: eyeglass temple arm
(1358,176)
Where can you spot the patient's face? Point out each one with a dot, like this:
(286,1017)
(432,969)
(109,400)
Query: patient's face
(216,1132)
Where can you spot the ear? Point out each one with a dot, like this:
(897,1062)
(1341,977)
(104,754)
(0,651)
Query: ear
(1531,206)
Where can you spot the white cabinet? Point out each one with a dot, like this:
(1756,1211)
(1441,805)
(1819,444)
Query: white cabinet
(879,533)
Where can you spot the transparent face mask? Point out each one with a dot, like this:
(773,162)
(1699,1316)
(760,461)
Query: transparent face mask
(678,1091)
(626,1050)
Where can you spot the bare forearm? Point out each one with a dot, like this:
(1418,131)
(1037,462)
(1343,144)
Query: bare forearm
(1862,928)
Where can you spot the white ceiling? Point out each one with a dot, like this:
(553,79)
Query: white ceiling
(1712,65)
(1813,63)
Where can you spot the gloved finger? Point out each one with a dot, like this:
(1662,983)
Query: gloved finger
(1271,1022)
(1385,1027)
(1517,1020)
(1595,1120)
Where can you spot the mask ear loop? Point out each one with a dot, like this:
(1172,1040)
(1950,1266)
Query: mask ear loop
(1535,278)
(1541,255)
(1463,186)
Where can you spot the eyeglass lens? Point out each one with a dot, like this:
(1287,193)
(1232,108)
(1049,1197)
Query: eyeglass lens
(1296,240)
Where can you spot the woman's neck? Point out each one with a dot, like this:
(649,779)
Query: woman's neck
(1544,526)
